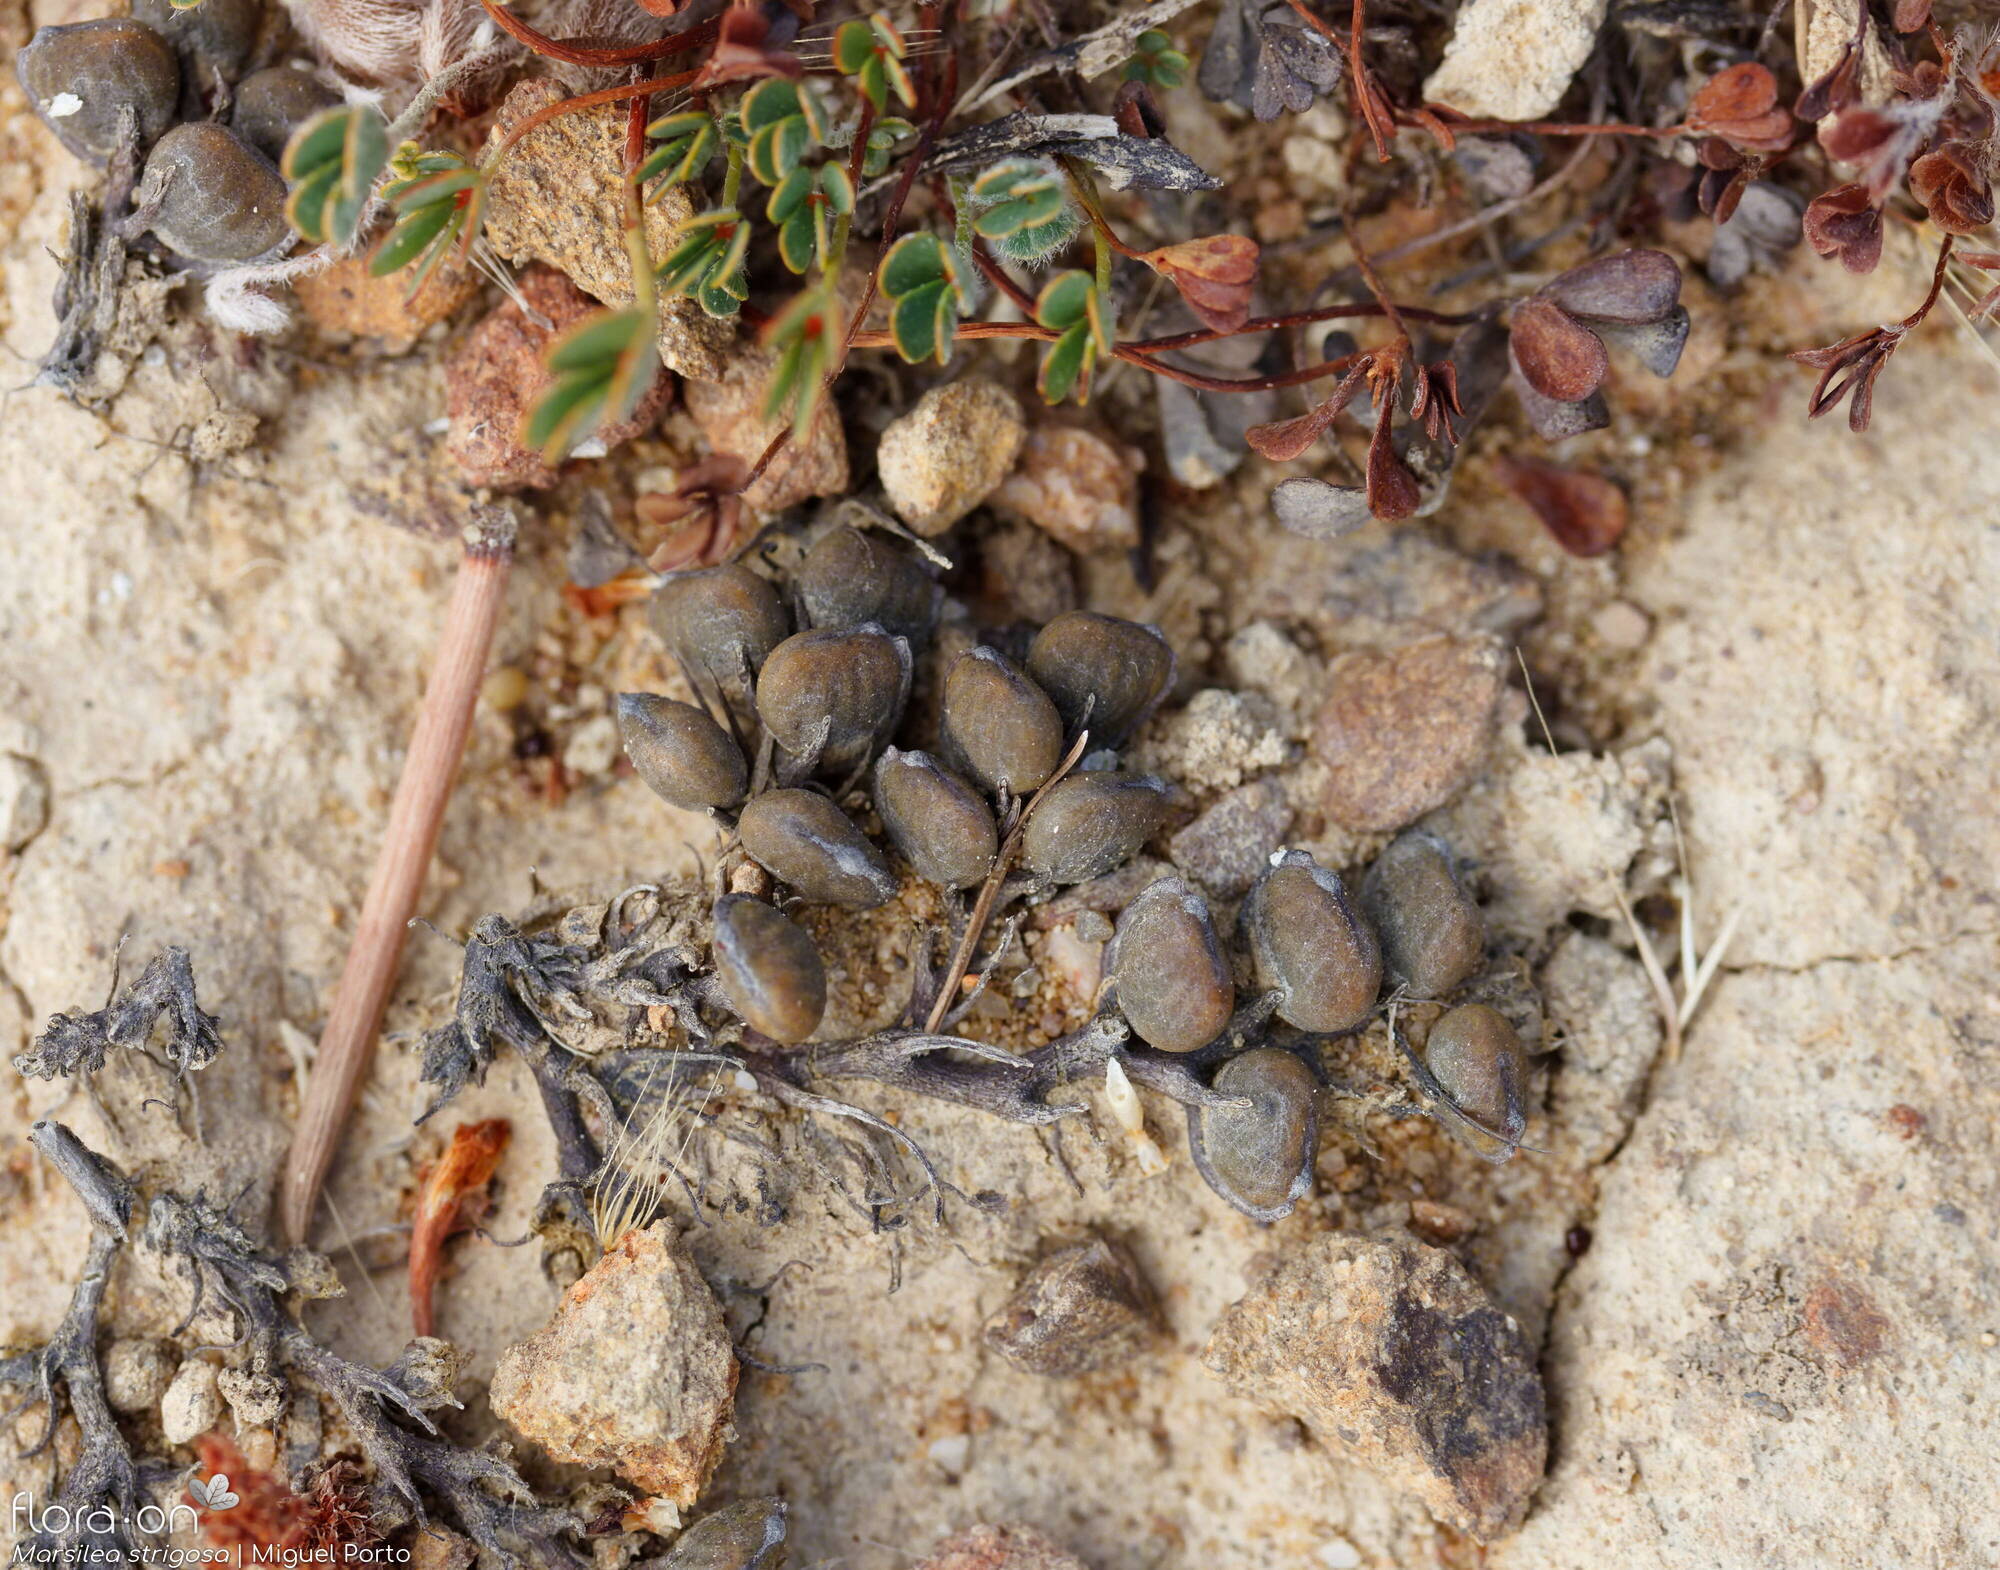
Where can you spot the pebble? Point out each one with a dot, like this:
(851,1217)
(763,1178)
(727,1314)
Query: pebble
(192,1404)
(24,800)
(1080,1309)
(1028,573)
(1081,487)
(348,299)
(256,1398)
(947,455)
(1510,61)
(559,199)
(498,373)
(1396,1358)
(730,411)
(634,1372)
(137,1374)
(1000,1548)
(1263,658)
(592,748)
(1219,740)
(1402,733)
(1228,846)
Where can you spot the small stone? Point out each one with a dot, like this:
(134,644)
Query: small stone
(592,748)
(498,373)
(1402,733)
(1219,740)
(634,1372)
(428,1368)
(1028,573)
(1000,1548)
(137,1374)
(1081,487)
(24,800)
(221,432)
(559,199)
(730,411)
(439,1548)
(1514,59)
(256,1398)
(1262,658)
(1080,1309)
(192,1404)
(349,300)
(1228,846)
(946,455)
(1397,1358)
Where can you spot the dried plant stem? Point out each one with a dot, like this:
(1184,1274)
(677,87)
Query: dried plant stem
(436,747)
(989,892)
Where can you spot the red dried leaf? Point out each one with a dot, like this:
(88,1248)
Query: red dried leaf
(1849,367)
(1740,93)
(740,55)
(1948,183)
(1393,492)
(1561,358)
(1435,403)
(1283,440)
(1910,16)
(1137,111)
(1585,512)
(1215,274)
(457,1181)
(1878,145)
(1741,104)
(1841,223)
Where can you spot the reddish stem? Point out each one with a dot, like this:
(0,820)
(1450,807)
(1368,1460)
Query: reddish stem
(604,95)
(575,52)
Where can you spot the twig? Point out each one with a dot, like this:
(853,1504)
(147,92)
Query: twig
(436,747)
(989,892)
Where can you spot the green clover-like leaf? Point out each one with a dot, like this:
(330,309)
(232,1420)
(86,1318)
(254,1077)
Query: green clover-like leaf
(331,162)
(803,205)
(783,121)
(1025,209)
(806,334)
(602,367)
(686,143)
(440,200)
(1156,60)
(921,287)
(705,260)
(883,136)
(1073,305)
(873,53)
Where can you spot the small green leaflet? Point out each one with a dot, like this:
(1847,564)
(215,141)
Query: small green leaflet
(332,162)
(602,367)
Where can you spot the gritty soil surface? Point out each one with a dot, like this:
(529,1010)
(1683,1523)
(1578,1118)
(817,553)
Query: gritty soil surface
(1761,1276)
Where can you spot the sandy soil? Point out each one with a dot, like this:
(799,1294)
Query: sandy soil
(1777,1348)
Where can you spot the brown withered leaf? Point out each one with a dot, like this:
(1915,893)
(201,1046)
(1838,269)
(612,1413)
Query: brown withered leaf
(1560,357)
(1842,223)
(1393,492)
(740,55)
(1948,182)
(1283,440)
(1585,512)
(1741,105)
(1215,274)
(1849,369)
(1628,286)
